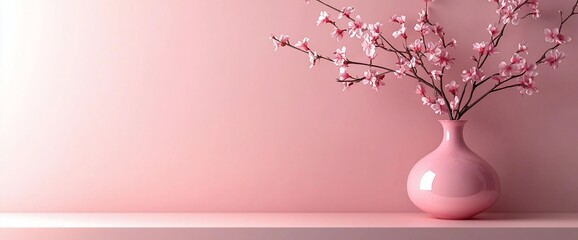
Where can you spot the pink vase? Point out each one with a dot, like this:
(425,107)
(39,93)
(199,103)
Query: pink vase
(453,182)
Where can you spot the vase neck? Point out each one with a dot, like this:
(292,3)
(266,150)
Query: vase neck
(453,131)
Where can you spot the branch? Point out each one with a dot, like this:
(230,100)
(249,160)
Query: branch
(494,89)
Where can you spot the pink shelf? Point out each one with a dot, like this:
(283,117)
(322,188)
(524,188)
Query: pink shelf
(283,226)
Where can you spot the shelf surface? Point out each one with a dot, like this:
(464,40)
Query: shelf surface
(284,226)
(282,220)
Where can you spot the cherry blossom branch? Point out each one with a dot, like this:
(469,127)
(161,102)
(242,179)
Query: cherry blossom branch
(413,58)
(437,90)
(355,80)
(494,89)
(488,78)
(332,60)
(420,79)
(441,35)
(398,52)
(393,47)
(471,95)
(541,60)
(406,54)
(459,113)
(543,57)
(495,41)
(562,22)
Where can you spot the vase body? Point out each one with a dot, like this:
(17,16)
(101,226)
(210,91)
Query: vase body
(453,182)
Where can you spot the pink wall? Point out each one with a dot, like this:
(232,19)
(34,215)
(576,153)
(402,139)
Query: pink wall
(182,106)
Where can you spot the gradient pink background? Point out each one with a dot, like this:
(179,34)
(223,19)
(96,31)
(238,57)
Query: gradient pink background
(182,106)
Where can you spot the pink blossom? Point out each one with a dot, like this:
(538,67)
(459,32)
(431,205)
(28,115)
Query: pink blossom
(378,82)
(343,75)
(473,74)
(516,59)
(340,59)
(338,33)
(436,74)
(439,107)
(420,90)
(304,45)
(401,63)
(527,85)
(422,28)
(480,47)
(443,59)
(412,62)
(454,104)
(433,49)
(452,87)
(356,27)
(551,35)
(554,57)
(422,17)
(369,74)
(368,47)
(397,19)
(282,41)
(522,48)
(373,78)
(555,36)
(346,12)
(371,38)
(506,69)
(313,57)
(400,32)
(417,46)
(529,68)
(374,29)
(508,15)
(427,101)
(492,30)
(399,73)
(323,18)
